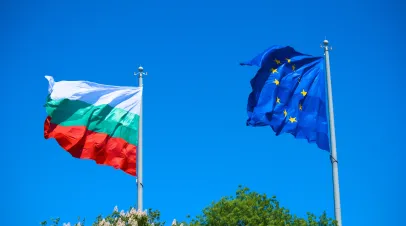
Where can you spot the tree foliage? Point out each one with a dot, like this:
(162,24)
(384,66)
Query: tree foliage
(253,209)
(245,209)
(130,218)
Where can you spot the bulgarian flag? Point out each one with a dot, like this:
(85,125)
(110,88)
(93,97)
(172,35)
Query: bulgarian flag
(95,121)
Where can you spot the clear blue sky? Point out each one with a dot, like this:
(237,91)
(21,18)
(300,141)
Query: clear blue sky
(197,147)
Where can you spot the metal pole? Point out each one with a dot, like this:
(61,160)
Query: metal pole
(334,162)
(140,184)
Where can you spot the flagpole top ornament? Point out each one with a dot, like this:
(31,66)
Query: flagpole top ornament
(325,45)
(140,72)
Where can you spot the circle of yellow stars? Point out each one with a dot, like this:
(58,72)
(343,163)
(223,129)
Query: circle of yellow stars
(276,82)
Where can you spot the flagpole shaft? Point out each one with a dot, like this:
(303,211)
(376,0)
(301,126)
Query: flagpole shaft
(334,162)
(140,184)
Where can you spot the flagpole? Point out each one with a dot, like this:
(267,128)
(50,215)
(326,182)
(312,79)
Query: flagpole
(333,157)
(140,184)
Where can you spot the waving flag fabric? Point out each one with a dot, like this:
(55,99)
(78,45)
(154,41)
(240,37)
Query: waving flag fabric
(289,94)
(95,121)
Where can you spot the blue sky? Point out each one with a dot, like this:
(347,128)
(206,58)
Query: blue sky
(196,145)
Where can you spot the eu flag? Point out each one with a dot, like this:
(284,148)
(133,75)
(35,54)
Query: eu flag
(289,94)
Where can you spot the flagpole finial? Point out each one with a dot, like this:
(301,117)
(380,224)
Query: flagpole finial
(140,72)
(325,45)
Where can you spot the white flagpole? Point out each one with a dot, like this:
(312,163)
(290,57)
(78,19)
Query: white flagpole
(333,157)
(140,184)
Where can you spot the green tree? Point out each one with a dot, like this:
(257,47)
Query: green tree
(252,209)
(245,209)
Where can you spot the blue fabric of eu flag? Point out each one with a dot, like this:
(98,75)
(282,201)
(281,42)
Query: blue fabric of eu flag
(289,95)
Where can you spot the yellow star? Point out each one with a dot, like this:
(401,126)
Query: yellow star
(287,59)
(303,92)
(277,61)
(276,82)
(293,67)
(300,107)
(285,113)
(278,100)
(274,70)
(292,120)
